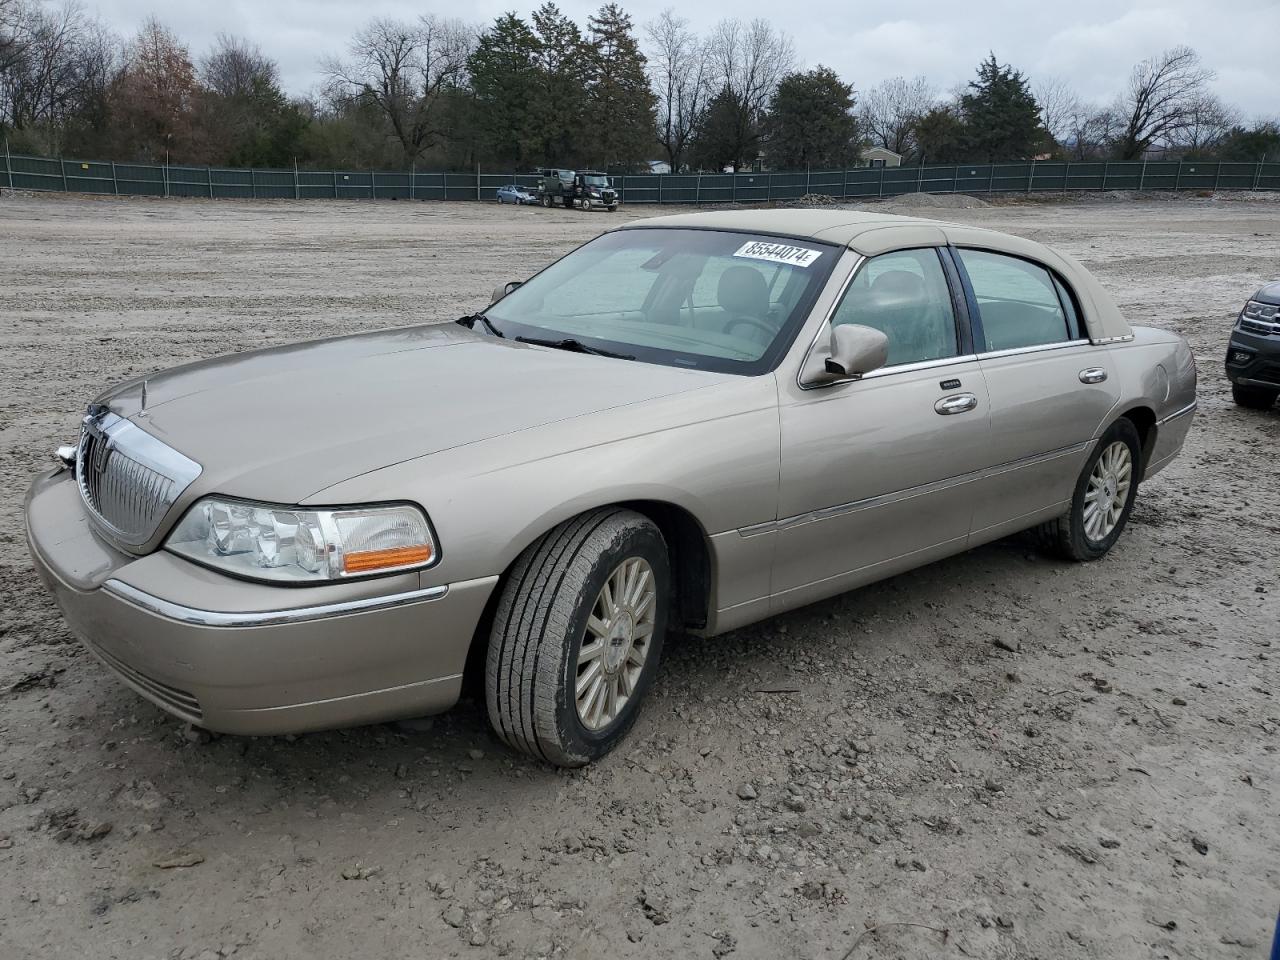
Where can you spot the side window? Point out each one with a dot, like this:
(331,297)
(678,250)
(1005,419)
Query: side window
(1017,301)
(905,295)
(1074,326)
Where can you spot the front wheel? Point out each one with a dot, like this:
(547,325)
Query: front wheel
(1103,497)
(1255,398)
(577,636)
(613,208)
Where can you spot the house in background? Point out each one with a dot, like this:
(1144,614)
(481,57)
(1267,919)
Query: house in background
(880,157)
(659,166)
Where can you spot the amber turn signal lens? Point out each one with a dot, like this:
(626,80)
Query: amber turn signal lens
(367,561)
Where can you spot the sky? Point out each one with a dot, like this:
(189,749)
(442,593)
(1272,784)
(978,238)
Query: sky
(1092,44)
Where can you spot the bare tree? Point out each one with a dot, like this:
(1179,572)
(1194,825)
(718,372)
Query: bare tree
(1208,123)
(404,68)
(891,109)
(746,61)
(54,64)
(1059,104)
(1160,100)
(237,68)
(1091,131)
(680,75)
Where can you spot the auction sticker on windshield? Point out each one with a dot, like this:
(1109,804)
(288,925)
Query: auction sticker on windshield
(778,253)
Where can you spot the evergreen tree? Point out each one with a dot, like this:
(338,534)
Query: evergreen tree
(1001,117)
(718,140)
(559,114)
(811,121)
(939,136)
(622,104)
(1256,145)
(505,80)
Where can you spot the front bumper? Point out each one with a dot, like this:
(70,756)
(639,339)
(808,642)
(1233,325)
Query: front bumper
(1253,360)
(251,658)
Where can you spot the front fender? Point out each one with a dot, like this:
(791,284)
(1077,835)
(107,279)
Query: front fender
(713,453)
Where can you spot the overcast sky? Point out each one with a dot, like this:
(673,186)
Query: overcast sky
(1091,43)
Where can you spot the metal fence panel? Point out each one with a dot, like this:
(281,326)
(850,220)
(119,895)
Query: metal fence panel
(217,183)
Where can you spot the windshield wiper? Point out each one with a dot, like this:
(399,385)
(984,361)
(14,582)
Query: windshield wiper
(574,346)
(470,324)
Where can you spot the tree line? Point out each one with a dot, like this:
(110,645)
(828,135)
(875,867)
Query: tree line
(521,93)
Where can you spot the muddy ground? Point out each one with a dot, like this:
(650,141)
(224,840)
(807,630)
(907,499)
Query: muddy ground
(1000,755)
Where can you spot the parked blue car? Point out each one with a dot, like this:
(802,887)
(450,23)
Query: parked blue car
(514,193)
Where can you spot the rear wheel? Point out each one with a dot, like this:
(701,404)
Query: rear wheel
(1103,497)
(1255,398)
(577,636)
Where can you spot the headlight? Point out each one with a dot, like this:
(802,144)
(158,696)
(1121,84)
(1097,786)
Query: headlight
(263,541)
(1253,310)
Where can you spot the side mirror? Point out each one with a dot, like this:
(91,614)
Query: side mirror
(851,351)
(502,289)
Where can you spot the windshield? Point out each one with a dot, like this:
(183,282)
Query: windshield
(596,181)
(697,298)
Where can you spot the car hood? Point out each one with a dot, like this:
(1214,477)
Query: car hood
(1270,293)
(283,423)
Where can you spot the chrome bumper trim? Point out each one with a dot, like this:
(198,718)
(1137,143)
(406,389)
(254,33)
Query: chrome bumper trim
(1178,413)
(262,618)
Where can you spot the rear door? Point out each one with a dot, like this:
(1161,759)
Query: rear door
(875,473)
(1050,388)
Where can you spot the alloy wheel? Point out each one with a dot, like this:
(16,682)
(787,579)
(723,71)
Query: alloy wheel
(616,643)
(1108,491)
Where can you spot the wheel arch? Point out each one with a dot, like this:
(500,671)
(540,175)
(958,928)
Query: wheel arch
(1143,419)
(689,549)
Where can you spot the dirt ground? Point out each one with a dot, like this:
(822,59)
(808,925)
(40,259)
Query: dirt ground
(998,756)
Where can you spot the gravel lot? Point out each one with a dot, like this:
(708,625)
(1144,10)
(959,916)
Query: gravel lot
(997,756)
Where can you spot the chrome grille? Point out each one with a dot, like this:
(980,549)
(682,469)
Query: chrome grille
(128,479)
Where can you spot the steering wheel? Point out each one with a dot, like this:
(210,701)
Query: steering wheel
(760,325)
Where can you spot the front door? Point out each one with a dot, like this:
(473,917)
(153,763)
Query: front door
(876,473)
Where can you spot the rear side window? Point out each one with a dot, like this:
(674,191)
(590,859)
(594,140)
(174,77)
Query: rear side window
(905,295)
(1017,301)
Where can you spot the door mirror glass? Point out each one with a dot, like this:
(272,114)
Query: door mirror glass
(502,289)
(851,351)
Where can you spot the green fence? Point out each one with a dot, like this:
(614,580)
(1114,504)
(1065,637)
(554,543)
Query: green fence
(218,183)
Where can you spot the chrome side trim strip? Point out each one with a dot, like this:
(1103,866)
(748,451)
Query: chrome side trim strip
(1178,413)
(262,618)
(1034,348)
(1123,338)
(909,493)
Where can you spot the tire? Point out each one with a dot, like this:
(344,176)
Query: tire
(1080,534)
(546,201)
(1255,398)
(613,208)
(544,623)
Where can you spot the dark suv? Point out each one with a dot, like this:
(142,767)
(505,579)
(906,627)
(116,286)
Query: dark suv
(1253,352)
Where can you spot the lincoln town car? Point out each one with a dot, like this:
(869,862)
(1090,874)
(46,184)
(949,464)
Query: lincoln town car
(686,425)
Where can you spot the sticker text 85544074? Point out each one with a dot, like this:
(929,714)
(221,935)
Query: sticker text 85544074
(778,253)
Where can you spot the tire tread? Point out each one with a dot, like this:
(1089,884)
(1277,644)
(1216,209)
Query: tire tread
(532,619)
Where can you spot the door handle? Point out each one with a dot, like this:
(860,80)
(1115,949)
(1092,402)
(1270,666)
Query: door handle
(959,403)
(1093,375)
